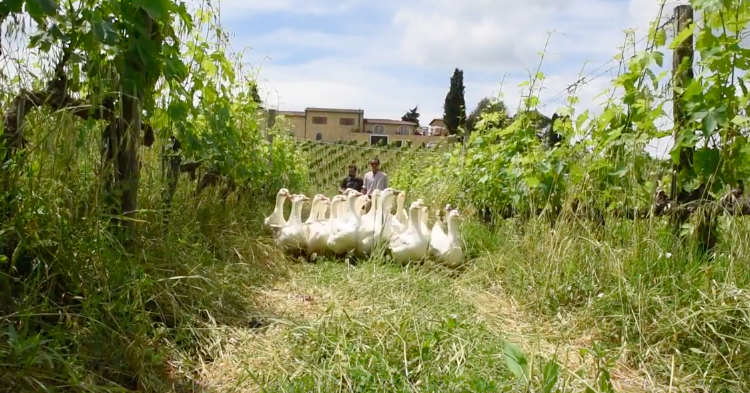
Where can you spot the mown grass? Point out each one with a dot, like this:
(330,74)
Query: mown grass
(616,309)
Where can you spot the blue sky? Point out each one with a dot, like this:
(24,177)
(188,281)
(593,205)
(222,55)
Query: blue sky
(388,56)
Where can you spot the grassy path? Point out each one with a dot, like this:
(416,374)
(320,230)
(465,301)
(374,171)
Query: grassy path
(378,327)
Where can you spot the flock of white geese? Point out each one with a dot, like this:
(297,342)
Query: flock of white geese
(339,226)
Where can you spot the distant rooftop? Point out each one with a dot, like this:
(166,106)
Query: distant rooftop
(389,121)
(291,113)
(341,110)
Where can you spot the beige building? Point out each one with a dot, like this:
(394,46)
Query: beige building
(332,125)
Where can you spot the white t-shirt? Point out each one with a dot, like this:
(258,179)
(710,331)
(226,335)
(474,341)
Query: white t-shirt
(375,181)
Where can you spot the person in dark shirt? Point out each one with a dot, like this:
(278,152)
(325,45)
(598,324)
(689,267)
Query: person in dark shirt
(352,181)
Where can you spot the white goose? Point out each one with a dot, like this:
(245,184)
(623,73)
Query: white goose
(437,234)
(400,221)
(412,244)
(382,228)
(318,231)
(323,210)
(293,236)
(423,220)
(315,208)
(367,229)
(345,229)
(446,248)
(387,229)
(400,211)
(276,219)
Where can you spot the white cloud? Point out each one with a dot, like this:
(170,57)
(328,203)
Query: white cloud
(386,66)
(232,9)
(478,36)
(497,33)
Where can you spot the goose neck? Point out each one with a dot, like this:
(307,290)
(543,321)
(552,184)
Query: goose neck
(452,228)
(351,203)
(296,216)
(313,212)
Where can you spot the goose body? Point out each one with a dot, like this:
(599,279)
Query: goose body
(387,229)
(345,229)
(412,244)
(315,208)
(446,247)
(292,238)
(369,223)
(318,231)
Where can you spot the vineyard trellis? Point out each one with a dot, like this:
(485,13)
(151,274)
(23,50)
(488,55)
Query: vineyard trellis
(328,162)
(512,172)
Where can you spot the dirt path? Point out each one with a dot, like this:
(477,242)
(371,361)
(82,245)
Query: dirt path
(385,328)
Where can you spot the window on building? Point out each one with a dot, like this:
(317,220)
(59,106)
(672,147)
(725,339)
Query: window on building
(379,129)
(403,130)
(346,121)
(318,136)
(399,143)
(320,120)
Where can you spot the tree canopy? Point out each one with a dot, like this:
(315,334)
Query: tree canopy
(454,109)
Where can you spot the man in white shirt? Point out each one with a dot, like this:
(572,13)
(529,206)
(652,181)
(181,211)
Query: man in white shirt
(375,179)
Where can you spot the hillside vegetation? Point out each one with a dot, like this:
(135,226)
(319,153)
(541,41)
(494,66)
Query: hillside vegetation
(131,256)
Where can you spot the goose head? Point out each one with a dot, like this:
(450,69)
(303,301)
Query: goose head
(401,199)
(316,202)
(297,201)
(387,197)
(282,195)
(453,218)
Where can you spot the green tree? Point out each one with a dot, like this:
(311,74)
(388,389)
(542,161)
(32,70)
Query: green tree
(488,105)
(412,115)
(454,109)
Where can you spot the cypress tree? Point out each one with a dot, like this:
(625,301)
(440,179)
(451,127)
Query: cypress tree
(454,109)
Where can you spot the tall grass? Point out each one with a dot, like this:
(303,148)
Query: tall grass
(629,286)
(79,311)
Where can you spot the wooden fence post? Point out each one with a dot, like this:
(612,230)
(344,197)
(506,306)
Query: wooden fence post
(683,53)
(682,75)
(270,121)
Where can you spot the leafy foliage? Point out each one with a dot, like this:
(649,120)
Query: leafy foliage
(78,310)
(488,106)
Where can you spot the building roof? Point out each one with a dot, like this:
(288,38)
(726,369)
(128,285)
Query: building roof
(437,120)
(340,110)
(291,113)
(389,121)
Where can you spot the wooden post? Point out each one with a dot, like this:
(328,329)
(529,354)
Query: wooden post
(683,53)
(682,74)
(270,121)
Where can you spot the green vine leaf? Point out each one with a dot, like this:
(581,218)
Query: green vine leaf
(707,162)
(156,9)
(682,36)
(46,7)
(516,361)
